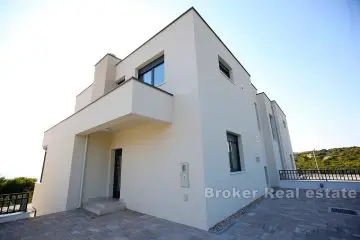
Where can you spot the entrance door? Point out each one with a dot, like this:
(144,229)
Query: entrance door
(117,173)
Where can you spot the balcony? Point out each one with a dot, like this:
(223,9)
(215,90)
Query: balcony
(131,103)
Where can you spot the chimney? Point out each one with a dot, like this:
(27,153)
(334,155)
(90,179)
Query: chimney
(104,77)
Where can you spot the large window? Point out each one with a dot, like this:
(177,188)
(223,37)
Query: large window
(153,73)
(234,152)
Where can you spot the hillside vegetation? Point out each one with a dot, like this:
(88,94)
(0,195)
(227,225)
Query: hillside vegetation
(334,159)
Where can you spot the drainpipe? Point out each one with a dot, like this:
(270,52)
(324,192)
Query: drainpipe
(83,170)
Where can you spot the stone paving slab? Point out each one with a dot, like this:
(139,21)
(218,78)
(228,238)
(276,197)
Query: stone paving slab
(271,219)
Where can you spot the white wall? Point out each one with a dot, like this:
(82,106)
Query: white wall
(97,166)
(152,154)
(225,106)
(66,148)
(150,182)
(273,160)
(104,76)
(84,98)
(316,184)
(77,165)
(284,137)
(51,195)
(191,128)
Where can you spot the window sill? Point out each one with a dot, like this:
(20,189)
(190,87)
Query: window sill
(237,173)
(160,84)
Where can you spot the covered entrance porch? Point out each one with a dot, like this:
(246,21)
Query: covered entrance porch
(79,160)
(113,155)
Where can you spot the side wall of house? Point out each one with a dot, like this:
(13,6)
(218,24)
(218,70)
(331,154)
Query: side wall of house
(226,106)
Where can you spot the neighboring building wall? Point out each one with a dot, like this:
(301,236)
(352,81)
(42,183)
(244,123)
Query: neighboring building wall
(284,137)
(278,151)
(84,98)
(97,166)
(225,106)
(260,137)
(273,160)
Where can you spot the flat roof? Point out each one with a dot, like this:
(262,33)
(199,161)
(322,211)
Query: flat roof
(272,101)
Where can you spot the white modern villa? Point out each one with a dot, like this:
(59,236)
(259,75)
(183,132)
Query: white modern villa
(158,127)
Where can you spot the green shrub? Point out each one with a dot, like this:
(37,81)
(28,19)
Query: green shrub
(16,185)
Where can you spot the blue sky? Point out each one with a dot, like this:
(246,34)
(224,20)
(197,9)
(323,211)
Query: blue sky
(304,54)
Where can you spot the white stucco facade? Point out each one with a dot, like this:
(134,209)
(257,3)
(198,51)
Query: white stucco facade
(185,120)
(276,138)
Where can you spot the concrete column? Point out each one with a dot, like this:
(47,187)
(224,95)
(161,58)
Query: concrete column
(77,164)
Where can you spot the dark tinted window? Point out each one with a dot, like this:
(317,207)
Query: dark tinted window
(234,155)
(159,75)
(43,166)
(224,69)
(153,73)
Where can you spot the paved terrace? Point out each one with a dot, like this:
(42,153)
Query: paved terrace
(300,218)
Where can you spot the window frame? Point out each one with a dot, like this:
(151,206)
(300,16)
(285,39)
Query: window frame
(151,68)
(224,68)
(43,166)
(234,138)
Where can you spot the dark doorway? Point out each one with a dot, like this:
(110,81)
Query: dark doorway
(117,173)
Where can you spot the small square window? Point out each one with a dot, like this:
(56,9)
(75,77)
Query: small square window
(224,68)
(120,81)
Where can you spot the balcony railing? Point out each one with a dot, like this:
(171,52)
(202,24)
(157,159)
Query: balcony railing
(325,175)
(14,202)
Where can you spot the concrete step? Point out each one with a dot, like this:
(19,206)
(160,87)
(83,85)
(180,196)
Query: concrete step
(104,206)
